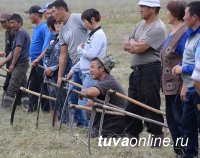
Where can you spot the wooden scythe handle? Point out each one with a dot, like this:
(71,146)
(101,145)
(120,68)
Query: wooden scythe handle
(137,102)
(98,110)
(37,94)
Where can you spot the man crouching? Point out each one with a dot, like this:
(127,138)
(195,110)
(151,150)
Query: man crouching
(100,70)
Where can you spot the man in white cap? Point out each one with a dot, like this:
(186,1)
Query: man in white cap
(46,10)
(144,83)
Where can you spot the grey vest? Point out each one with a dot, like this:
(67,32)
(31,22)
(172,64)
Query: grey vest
(189,57)
(169,58)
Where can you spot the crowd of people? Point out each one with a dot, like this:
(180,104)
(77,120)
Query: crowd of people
(73,46)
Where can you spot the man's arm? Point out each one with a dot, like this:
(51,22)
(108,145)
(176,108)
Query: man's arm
(37,60)
(134,47)
(91,92)
(8,58)
(139,47)
(197,86)
(16,55)
(62,62)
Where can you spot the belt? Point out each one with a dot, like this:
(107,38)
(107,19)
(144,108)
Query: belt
(139,67)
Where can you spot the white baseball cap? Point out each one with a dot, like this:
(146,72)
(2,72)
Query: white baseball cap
(150,3)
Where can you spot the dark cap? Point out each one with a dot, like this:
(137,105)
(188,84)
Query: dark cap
(5,16)
(34,9)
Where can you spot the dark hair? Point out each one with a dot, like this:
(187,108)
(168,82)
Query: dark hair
(194,8)
(89,14)
(157,10)
(177,8)
(17,18)
(60,4)
(98,60)
(49,6)
(50,23)
(100,64)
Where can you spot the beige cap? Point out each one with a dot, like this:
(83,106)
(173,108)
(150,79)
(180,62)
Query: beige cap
(5,16)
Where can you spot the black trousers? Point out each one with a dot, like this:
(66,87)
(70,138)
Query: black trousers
(144,86)
(36,80)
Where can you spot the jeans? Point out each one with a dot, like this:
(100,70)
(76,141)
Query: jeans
(87,83)
(53,91)
(144,86)
(73,99)
(190,123)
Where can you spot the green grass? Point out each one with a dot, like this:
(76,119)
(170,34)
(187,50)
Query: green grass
(23,140)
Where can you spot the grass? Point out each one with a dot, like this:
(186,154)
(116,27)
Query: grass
(23,140)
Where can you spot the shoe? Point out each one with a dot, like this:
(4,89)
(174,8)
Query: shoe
(25,102)
(7,102)
(157,140)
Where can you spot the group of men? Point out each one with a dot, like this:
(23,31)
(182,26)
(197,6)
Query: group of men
(144,45)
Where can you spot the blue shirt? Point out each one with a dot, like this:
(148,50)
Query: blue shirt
(181,43)
(40,39)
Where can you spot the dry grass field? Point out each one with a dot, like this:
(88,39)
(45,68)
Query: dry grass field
(23,140)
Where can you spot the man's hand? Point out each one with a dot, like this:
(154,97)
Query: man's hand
(177,70)
(90,103)
(48,71)
(11,68)
(59,81)
(126,45)
(69,75)
(35,62)
(2,54)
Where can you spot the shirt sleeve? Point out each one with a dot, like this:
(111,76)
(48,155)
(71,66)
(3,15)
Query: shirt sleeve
(188,69)
(47,38)
(102,87)
(20,38)
(181,44)
(155,38)
(76,67)
(196,72)
(61,39)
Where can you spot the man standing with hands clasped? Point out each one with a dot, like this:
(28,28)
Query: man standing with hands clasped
(144,82)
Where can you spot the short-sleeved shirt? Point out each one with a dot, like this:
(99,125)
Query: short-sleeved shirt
(112,124)
(40,40)
(9,38)
(110,82)
(22,39)
(153,35)
(72,34)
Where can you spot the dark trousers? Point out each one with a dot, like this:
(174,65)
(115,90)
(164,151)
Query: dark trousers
(5,86)
(190,124)
(36,79)
(174,112)
(18,78)
(6,83)
(144,86)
